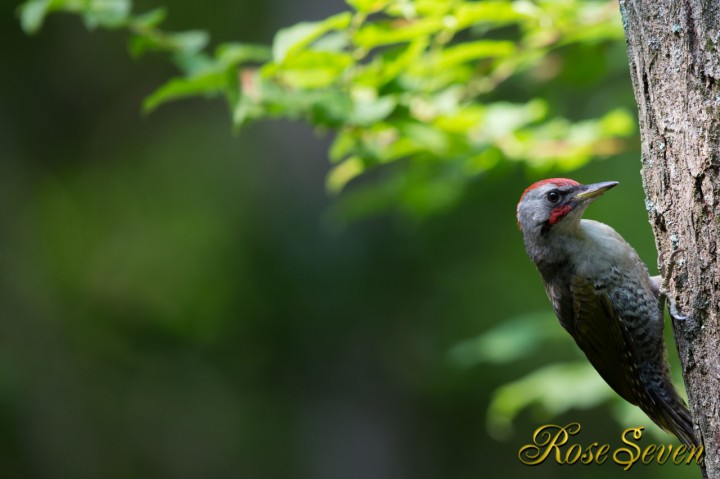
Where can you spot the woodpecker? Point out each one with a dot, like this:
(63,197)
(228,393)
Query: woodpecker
(603,295)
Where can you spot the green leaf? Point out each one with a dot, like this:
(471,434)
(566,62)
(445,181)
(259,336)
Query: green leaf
(343,173)
(107,13)
(247,109)
(332,42)
(311,69)
(461,120)
(373,35)
(342,145)
(299,36)
(502,118)
(150,19)
(296,36)
(512,340)
(494,12)
(547,387)
(369,109)
(232,54)
(389,65)
(439,9)
(425,136)
(591,34)
(617,122)
(196,63)
(32,15)
(140,44)
(191,41)
(470,51)
(205,84)
(326,107)
(368,6)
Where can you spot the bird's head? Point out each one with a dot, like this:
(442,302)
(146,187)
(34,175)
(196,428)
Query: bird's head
(556,204)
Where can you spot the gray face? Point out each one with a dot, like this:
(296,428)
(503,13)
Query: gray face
(556,203)
(548,207)
(549,213)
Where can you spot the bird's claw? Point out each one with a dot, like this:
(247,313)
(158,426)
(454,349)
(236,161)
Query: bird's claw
(674,313)
(672,308)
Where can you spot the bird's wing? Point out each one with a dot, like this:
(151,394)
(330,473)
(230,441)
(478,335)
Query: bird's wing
(602,336)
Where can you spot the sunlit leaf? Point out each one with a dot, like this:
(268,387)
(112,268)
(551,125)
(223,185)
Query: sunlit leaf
(230,54)
(617,122)
(368,6)
(471,51)
(191,41)
(344,143)
(502,118)
(495,12)
(336,41)
(376,34)
(140,44)
(461,120)
(313,69)
(150,19)
(548,388)
(296,36)
(177,88)
(427,137)
(32,15)
(341,174)
(195,63)
(511,340)
(371,109)
(420,8)
(106,13)
(301,35)
(391,64)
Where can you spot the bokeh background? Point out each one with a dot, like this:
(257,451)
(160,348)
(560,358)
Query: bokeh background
(177,302)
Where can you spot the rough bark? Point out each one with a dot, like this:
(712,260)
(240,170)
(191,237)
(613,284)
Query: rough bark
(674,53)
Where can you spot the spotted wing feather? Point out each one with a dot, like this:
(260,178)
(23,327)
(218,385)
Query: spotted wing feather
(599,333)
(604,338)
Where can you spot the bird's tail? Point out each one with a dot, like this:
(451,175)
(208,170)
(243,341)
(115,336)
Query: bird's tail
(673,415)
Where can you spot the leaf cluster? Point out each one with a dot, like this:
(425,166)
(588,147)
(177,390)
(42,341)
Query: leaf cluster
(412,89)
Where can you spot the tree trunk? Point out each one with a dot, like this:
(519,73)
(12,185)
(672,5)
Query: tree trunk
(673,47)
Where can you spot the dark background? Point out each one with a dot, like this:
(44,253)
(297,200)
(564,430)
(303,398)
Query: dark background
(175,302)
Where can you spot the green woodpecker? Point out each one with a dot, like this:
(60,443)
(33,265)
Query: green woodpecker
(603,296)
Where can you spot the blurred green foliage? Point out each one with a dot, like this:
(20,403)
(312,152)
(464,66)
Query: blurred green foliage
(547,388)
(417,83)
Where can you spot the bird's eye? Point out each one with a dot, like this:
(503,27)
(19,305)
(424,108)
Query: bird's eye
(553,196)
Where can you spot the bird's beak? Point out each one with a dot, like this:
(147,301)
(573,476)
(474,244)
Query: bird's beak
(590,192)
